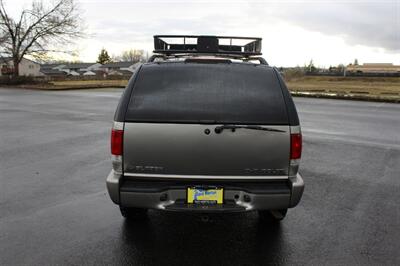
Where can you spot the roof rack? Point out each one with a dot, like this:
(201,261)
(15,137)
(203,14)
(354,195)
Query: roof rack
(233,47)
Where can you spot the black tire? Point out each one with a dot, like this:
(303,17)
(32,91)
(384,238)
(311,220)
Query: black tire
(275,215)
(133,213)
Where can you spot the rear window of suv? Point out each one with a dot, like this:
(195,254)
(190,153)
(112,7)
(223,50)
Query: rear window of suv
(207,93)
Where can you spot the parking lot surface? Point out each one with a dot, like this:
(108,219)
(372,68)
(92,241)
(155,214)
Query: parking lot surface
(54,209)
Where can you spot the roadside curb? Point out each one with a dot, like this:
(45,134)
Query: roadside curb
(63,88)
(81,88)
(347,96)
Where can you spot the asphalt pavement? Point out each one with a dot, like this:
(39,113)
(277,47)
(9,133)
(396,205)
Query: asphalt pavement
(54,209)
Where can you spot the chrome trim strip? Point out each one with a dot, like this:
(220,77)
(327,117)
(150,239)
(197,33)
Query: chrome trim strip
(217,177)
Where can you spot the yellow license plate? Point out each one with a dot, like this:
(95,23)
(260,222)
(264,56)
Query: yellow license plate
(205,195)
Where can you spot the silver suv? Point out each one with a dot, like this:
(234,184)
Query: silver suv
(206,127)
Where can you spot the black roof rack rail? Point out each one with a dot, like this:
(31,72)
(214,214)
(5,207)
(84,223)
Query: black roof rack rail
(164,57)
(205,44)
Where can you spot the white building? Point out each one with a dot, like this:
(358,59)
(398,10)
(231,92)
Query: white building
(374,68)
(26,67)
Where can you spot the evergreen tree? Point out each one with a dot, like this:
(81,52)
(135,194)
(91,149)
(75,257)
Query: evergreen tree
(311,67)
(103,58)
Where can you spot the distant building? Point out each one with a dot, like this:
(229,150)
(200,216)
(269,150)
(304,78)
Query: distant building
(120,68)
(71,69)
(374,68)
(89,69)
(84,69)
(26,67)
(53,70)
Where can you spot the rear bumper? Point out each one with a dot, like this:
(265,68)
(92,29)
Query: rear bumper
(239,195)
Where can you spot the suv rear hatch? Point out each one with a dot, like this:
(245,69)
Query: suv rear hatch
(175,108)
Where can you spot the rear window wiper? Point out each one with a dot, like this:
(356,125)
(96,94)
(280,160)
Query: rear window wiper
(219,129)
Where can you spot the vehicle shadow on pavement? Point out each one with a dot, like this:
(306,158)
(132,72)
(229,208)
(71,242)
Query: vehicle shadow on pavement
(194,239)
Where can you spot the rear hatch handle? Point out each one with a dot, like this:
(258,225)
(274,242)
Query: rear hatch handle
(219,129)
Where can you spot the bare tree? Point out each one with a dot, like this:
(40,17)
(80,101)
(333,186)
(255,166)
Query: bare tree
(39,29)
(132,55)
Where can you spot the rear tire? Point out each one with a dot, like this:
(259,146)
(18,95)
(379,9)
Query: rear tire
(275,215)
(133,213)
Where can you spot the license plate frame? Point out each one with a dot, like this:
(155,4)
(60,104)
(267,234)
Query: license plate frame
(205,195)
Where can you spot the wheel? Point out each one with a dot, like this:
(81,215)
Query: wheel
(133,213)
(275,215)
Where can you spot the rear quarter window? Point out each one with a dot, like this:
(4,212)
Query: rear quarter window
(196,92)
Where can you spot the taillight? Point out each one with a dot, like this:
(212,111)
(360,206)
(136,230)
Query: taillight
(116,141)
(295,146)
(117,137)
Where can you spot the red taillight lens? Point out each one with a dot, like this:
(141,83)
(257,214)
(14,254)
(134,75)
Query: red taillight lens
(295,146)
(116,141)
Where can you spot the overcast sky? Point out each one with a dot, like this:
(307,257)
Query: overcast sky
(293,32)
